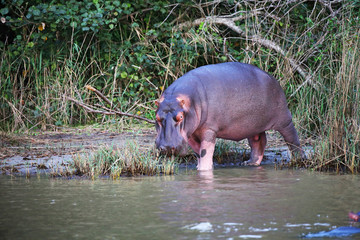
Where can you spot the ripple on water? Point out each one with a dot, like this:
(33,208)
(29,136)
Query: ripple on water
(262,229)
(249,236)
(201,227)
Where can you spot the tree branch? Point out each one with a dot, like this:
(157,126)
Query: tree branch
(108,111)
(230,23)
(102,96)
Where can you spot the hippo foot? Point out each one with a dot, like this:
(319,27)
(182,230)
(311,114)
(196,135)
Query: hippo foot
(250,163)
(204,168)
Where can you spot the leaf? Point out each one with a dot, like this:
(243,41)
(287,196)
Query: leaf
(134,25)
(30,44)
(111,26)
(201,26)
(4,11)
(73,24)
(52,8)
(61,12)
(126,5)
(123,74)
(36,12)
(223,58)
(98,15)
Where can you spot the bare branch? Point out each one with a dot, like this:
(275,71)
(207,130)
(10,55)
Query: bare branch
(230,23)
(108,111)
(102,96)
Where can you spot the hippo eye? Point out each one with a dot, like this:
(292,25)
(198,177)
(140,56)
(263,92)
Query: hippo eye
(179,117)
(158,119)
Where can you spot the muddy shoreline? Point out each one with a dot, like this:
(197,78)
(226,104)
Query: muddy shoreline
(44,152)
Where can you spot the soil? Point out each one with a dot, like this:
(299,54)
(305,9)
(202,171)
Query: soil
(41,152)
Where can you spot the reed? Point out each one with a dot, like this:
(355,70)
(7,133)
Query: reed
(333,109)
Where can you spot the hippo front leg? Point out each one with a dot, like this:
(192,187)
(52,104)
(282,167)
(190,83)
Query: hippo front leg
(195,145)
(207,147)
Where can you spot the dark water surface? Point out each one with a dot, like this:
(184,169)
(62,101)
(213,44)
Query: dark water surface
(234,203)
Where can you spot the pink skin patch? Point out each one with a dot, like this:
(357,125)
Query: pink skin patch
(184,101)
(205,161)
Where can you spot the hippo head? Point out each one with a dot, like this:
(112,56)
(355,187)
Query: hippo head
(170,125)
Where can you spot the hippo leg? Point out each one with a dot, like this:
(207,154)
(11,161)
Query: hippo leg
(291,138)
(195,145)
(257,144)
(207,147)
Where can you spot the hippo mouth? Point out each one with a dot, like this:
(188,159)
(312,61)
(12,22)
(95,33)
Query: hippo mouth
(180,150)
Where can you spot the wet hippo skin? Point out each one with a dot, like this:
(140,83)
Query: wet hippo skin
(228,100)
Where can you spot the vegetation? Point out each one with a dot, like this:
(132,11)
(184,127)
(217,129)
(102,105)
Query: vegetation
(132,50)
(129,161)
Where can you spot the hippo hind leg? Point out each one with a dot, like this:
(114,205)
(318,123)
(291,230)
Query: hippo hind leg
(292,140)
(257,144)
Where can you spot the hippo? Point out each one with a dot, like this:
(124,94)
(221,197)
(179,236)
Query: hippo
(231,101)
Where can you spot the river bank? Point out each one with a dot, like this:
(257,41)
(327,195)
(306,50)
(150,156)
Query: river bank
(54,151)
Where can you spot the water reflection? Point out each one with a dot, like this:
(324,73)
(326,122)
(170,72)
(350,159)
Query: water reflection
(221,197)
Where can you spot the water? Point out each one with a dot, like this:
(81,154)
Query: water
(234,203)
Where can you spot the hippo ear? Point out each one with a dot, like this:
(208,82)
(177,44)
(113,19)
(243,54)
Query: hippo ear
(157,102)
(184,102)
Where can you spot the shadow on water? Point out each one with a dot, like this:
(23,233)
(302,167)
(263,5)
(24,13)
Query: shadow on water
(230,203)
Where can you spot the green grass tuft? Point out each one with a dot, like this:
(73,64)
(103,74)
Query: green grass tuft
(128,161)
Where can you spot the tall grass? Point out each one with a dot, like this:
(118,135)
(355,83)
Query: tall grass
(34,86)
(340,138)
(334,108)
(33,89)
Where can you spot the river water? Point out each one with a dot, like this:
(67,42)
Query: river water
(231,203)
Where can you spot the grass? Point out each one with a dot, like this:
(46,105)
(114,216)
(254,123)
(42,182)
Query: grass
(128,161)
(229,152)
